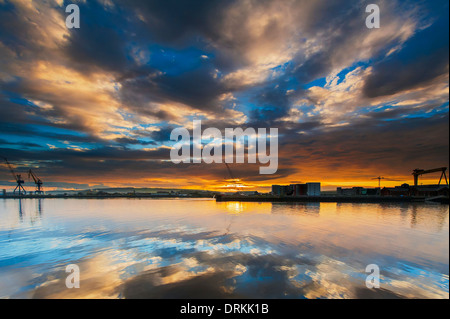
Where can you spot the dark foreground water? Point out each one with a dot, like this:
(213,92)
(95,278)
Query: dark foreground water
(180,248)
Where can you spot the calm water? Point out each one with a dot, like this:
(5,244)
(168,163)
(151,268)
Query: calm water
(130,248)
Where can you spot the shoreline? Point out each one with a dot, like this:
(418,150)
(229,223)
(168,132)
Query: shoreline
(98,196)
(240,198)
(331,199)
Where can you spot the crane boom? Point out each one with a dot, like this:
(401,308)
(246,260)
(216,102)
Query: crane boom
(32,175)
(234,180)
(17,178)
(37,181)
(429,171)
(11,169)
(419,172)
(229,171)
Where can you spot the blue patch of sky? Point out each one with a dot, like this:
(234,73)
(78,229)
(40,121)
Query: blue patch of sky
(416,113)
(174,62)
(375,109)
(280,69)
(436,111)
(42,143)
(244,103)
(72,145)
(15,141)
(292,83)
(59,139)
(343,73)
(17,99)
(321,82)
(317,82)
(55,130)
(157,124)
(138,147)
(21,101)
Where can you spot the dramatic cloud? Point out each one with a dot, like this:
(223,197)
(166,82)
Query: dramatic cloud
(97,104)
(423,59)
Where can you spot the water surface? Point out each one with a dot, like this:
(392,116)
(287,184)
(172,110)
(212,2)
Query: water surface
(190,248)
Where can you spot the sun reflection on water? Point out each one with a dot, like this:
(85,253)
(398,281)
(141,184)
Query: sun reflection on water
(200,248)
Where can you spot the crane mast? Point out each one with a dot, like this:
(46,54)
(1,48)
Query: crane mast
(37,181)
(379,181)
(17,178)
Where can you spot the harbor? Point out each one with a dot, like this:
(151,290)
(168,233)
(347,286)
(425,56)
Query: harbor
(331,199)
(310,192)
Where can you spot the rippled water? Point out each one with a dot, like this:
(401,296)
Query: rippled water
(182,248)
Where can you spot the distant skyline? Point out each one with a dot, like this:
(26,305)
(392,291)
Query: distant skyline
(95,106)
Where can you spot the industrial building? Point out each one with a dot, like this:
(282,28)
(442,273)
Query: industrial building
(308,189)
(417,191)
(358,191)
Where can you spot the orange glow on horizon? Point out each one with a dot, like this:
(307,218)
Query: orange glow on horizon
(221,186)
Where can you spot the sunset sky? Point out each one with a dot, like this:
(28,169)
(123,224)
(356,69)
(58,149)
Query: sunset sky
(96,105)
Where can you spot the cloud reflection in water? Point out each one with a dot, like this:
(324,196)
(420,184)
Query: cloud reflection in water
(203,249)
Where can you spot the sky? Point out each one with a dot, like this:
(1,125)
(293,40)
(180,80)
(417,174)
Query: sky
(95,106)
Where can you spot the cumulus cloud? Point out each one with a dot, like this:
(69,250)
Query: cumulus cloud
(137,69)
(422,60)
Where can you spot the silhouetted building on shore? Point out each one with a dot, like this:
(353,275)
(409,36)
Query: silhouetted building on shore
(404,190)
(397,191)
(431,190)
(418,191)
(358,191)
(308,189)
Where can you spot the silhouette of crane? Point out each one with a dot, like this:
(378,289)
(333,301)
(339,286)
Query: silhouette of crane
(418,172)
(234,180)
(17,178)
(37,181)
(379,180)
(388,179)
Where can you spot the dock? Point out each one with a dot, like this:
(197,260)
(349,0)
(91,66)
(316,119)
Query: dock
(327,199)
